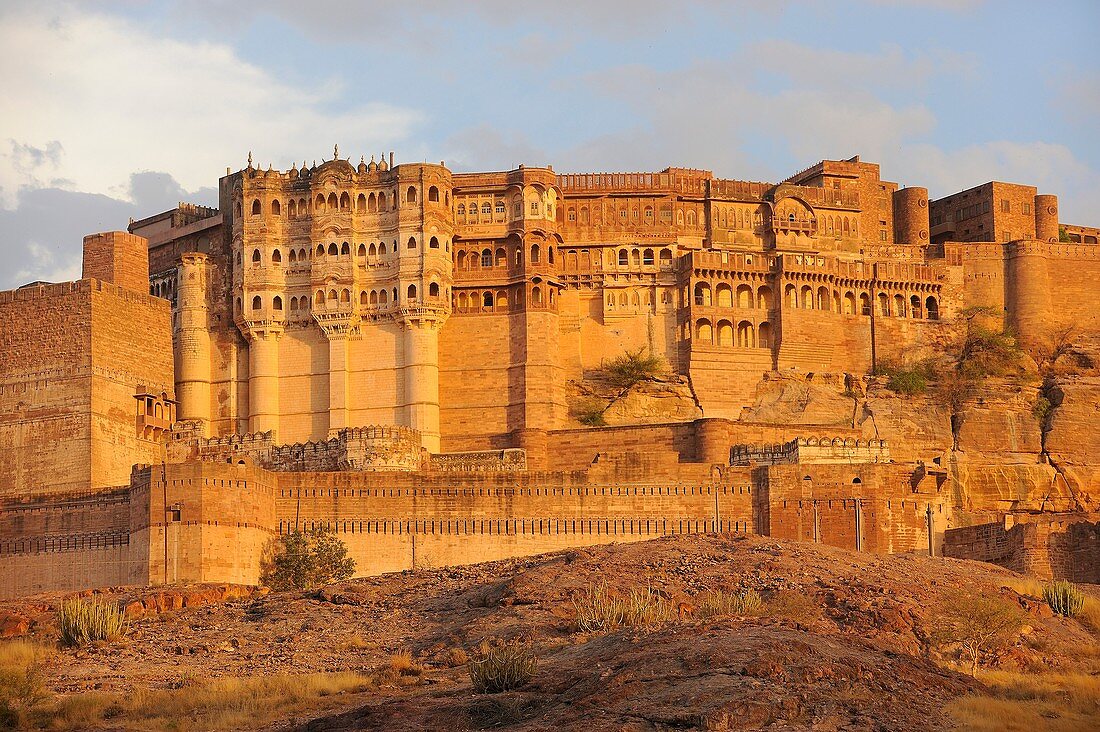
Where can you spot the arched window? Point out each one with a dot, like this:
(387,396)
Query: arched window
(723,295)
(256,257)
(293,257)
(333,297)
(636,257)
(433,243)
(237,208)
(764,297)
(624,258)
(461,209)
(293,304)
(277,303)
(360,203)
(345,250)
(883,304)
(849,303)
(433,195)
(536,295)
(914,306)
(319,204)
(790,294)
(746,336)
(382,201)
(372,251)
(534,254)
(502,299)
(486,209)
(372,203)
(382,249)
(411,294)
(550,255)
(412,243)
(744,296)
(807,297)
(932,308)
(320,250)
(764,335)
(666,258)
(702,294)
(291,209)
(822,298)
(433,289)
(501,257)
(374,296)
(500,209)
(384,297)
(899,306)
(864,304)
(410,195)
(301,255)
(345,296)
(647,257)
(361,252)
(256,207)
(276,257)
(486,258)
(276,207)
(725,333)
(257,303)
(364,299)
(332,250)
(345,201)
(319,298)
(487,300)
(704,333)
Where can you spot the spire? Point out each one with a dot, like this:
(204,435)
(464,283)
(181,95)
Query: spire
(335,152)
(250,158)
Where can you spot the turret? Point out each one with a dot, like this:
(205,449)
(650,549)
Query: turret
(192,347)
(911,216)
(1046,218)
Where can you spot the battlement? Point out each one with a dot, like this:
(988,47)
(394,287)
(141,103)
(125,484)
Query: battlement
(479,461)
(812,450)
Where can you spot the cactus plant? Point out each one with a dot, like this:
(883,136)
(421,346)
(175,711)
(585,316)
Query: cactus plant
(1064,598)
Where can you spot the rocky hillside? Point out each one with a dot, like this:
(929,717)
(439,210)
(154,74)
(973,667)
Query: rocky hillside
(842,641)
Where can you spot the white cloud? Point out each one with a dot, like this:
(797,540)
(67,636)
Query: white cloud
(102,97)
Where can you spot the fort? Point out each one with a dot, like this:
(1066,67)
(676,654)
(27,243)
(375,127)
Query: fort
(415,358)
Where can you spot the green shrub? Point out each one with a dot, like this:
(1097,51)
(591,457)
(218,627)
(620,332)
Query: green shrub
(1064,598)
(304,560)
(632,368)
(501,667)
(976,626)
(1041,410)
(908,382)
(599,611)
(588,411)
(89,621)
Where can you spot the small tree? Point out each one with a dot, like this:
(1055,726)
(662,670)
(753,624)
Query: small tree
(1047,347)
(633,367)
(304,560)
(976,625)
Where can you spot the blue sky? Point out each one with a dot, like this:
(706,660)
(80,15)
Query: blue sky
(114,109)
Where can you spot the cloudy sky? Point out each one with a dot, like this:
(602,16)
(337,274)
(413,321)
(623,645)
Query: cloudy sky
(111,109)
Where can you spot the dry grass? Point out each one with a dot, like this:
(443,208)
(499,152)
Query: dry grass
(222,704)
(715,603)
(795,606)
(1024,702)
(402,664)
(455,657)
(1088,615)
(22,686)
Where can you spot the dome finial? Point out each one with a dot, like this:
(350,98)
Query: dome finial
(250,158)
(335,152)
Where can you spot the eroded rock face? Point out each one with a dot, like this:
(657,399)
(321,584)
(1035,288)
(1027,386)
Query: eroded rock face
(1072,439)
(809,399)
(650,401)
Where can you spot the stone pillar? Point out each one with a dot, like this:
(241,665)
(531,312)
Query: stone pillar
(1046,218)
(421,350)
(263,379)
(192,351)
(337,382)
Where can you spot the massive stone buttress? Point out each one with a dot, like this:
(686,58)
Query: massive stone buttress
(341,281)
